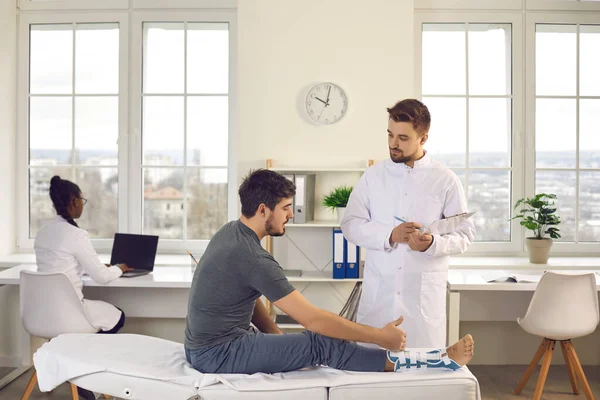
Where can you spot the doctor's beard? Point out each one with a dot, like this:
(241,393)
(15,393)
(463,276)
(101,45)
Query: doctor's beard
(401,158)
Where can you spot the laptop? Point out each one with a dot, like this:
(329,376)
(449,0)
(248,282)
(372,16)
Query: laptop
(137,251)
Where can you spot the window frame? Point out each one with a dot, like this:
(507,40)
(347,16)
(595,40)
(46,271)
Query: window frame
(130,191)
(516,244)
(533,18)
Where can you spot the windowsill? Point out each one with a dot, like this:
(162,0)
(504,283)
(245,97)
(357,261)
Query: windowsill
(161,259)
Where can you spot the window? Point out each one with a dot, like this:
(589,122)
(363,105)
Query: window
(139,118)
(185,106)
(74,119)
(467,86)
(567,121)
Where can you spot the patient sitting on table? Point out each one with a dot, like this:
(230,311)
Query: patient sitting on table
(235,271)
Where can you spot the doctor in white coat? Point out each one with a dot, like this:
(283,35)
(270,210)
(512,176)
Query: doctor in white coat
(61,246)
(406,270)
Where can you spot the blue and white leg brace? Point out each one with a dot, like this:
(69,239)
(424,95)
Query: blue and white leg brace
(421,359)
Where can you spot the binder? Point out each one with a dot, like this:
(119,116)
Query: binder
(339,255)
(304,202)
(352,260)
(291,178)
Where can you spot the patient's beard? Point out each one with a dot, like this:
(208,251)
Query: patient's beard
(271,230)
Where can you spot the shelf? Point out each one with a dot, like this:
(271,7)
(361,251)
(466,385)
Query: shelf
(318,276)
(317,224)
(316,169)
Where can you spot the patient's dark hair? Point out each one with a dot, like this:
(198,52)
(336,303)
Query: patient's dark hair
(264,186)
(62,192)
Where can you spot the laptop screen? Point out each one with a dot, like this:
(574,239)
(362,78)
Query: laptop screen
(137,251)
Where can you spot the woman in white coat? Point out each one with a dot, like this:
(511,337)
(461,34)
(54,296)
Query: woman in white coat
(406,270)
(61,246)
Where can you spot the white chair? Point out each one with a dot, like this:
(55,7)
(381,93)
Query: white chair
(563,307)
(50,307)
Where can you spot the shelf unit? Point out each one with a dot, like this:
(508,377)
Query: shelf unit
(316,276)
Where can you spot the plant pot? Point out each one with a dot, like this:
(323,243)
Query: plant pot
(538,250)
(340,213)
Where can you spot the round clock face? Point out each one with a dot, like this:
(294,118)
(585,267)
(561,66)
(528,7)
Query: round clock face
(326,103)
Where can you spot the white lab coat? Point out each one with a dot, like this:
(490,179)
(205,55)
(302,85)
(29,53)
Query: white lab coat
(62,247)
(399,281)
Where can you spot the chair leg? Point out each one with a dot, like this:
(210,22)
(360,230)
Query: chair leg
(539,388)
(534,362)
(74,393)
(30,386)
(579,371)
(570,367)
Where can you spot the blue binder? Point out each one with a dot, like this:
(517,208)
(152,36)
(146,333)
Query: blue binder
(339,254)
(352,259)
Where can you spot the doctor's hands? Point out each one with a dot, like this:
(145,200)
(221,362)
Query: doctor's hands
(402,232)
(420,242)
(393,338)
(124,267)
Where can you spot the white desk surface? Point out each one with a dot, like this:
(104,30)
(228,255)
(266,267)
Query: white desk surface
(477,280)
(161,277)
(522,263)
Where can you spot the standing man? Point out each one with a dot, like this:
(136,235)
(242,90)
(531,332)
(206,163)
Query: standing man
(406,270)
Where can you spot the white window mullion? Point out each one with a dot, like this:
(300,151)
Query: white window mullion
(123,141)
(468,106)
(73,176)
(577,36)
(185,171)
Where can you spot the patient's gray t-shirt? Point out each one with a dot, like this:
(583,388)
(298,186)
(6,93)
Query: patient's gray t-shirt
(234,271)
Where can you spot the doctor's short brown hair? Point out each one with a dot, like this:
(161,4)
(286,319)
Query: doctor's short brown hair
(411,110)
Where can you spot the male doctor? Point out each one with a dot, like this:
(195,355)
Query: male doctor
(406,269)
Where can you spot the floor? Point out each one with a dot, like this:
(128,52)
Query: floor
(496,381)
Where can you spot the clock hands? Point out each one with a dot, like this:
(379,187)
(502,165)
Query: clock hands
(324,102)
(328,92)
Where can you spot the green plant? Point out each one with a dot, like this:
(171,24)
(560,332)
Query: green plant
(538,215)
(338,197)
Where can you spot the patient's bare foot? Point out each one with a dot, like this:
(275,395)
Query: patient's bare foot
(463,350)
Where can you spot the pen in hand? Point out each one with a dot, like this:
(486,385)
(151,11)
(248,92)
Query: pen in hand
(403,221)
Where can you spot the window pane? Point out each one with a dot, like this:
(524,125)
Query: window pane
(163,57)
(51,59)
(489,195)
(489,132)
(97,58)
(555,56)
(50,130)
(589,133)
(489,59)
(40,205)
(207,58)
(207,130)
(163,130)
(589,207)
(562,184)
(444,60)
(555,138)
(96,130)
(589,60)
(448,133)
(100,187)
(207,202)
(163,202)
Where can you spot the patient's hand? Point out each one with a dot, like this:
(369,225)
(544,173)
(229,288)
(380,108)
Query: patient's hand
(393,338)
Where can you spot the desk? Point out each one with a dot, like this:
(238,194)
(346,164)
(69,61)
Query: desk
(476,280)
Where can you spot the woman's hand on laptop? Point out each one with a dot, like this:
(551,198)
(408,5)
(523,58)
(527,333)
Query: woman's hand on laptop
(124,267)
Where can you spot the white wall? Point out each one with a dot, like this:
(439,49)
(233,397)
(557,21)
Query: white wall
(8,79)
(286,47)
(8,84)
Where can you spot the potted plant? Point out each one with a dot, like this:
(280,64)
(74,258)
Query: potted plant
(337,200)
(538,215)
